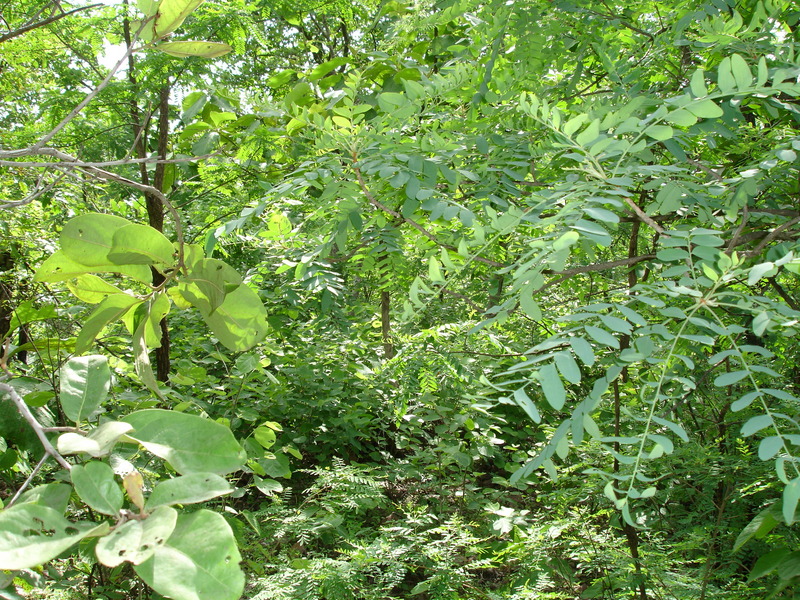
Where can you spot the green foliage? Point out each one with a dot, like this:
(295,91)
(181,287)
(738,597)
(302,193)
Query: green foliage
(510,288)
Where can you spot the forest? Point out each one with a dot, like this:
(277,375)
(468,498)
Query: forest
(399,299)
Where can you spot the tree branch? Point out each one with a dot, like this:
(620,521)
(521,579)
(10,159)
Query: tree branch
(35,425)
(30,26)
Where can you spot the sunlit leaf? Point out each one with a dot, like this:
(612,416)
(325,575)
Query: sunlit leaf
(201,49)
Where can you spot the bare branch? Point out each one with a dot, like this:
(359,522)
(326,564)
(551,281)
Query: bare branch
(623,262)
(31,26)
(35,425)
(39,191)
(100,164)
(773,235)
(645,218)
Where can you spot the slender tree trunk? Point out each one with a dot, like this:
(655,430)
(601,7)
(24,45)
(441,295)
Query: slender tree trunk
(155,210)
(631,533)
(388,347)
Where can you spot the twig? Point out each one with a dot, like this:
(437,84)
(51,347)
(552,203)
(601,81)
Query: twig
(99,164)
(735,239)
(27,481)
(645,217)
(772,235)
(623,262)
(35,194)
(30,26)
(35,425)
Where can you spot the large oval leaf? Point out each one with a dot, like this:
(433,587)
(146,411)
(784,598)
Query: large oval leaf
(200,561)
(189,443)
(60,267)
(188,489)
(94,482)
(31,534)
(241,321)
(171,13)
(86,239)
(140,245)
(202,49)
(85,381)
(137,540)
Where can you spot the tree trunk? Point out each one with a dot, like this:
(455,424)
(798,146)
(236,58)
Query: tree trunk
(155,210)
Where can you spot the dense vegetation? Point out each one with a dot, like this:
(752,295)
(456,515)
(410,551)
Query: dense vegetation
(363,300)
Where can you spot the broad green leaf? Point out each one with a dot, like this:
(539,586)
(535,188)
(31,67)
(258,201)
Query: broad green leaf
(659,132)
(194,48)
(525,403)
(87,239)
(745,401)
(85,381)
(725,80)
(730,378)
(277,466)
(31,534)
(705,109)
(189,443)
(574,124)
(566,240)
(552,387)
(51,495)
(767,563)
(91,289)
(94,482)
(199,561)
(241,321)
(589,134)
(136,541)
(766,269)
(529,306)
(265,436)
(109,310)
(148,7)
(188,489)
(790,566)
(59,267)
(672,426)
(602,336)
(698,84)
(26,312)
(213,280)
(769,447)
(98,443)
(756,424)
(791,494)
(171,13)
(741,72)
(763,72)
(140,245)
(568,367)
(141,357)
(435,270)
(582,350)
(682,118)
(323,69)
(158,308)
(759,526)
